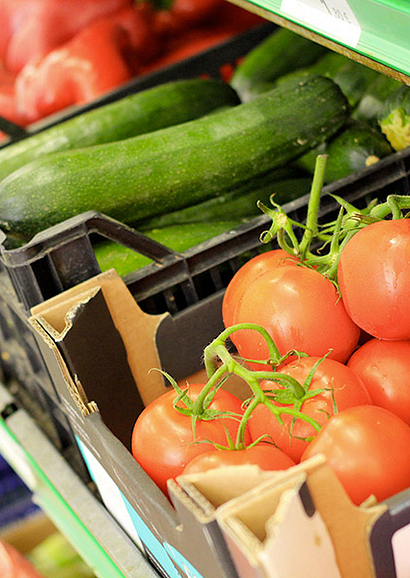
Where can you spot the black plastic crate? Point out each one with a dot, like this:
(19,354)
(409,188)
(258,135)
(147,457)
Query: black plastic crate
(63,256)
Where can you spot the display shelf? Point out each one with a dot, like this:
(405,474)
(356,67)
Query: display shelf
(65,499)
(373,32)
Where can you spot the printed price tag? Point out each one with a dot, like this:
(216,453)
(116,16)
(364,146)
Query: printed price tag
(331,17)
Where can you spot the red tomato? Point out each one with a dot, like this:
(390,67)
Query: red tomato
(384,368)
(343,388)
(248,273)
(368,447)
(266,456)
(162,438)
(374,278)
(300,309)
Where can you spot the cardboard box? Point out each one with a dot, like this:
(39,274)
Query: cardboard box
(100,347)
(297,522)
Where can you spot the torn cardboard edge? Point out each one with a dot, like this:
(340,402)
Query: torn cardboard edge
(137,329)
(241,514)
(105,348)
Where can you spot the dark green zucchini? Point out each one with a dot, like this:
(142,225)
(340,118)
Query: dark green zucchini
(372,103)
(395,118)
(151,109)
(177,166)
(352,78)
(239,204)
(179,238)
(355,148)
(278,54)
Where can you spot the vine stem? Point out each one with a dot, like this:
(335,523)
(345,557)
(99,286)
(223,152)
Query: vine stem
(314,204)
(216,373)
(217,347)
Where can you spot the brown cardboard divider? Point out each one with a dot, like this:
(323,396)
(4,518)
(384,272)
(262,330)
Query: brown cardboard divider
(297,522)
(136,328)
(105,346)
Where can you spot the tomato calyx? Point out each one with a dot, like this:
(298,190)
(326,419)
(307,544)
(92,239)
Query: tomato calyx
(283,228)
(200,408)
(297,397)
(220,364)
(287,396)
(330,238)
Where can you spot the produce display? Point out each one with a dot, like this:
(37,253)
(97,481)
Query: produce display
(318,330)
(61,53)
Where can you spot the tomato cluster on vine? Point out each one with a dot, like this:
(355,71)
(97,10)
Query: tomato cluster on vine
(322,338)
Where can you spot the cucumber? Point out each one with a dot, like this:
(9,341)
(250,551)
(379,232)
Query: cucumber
(395,118)
(372,103)
(278,54)
(177,166)
(355,148)
(151,109)
(238,204)
(179,238)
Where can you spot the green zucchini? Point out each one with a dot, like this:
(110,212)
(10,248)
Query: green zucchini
(179,238)
(177,166)
(151,109)
(239,204)
(355,148)
(352,78)
(372,103)
(278,54)
(395,118)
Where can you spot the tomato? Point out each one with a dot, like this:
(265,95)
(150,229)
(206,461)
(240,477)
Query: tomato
(246,274)
(162,438)
(300,309)
(374,279)
(384,368)
(342,387)
(368,448)
(266,456)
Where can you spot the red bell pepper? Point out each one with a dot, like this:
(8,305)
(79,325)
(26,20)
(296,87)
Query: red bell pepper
(30,28)
(92,63)
(179,15)
(7,97)
(228,21)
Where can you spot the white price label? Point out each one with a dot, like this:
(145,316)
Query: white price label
(332,17)
(400,544)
